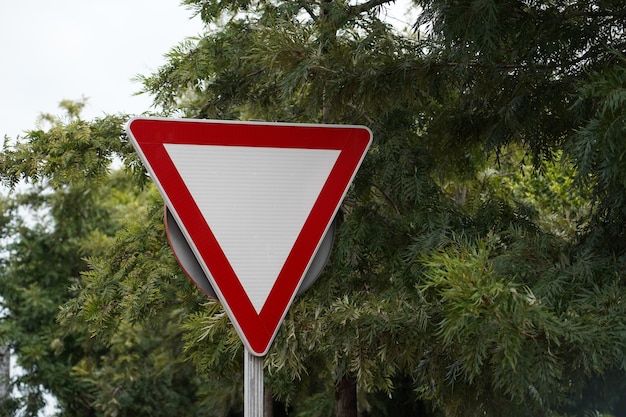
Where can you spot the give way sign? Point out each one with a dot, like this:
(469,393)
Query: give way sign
(253,200)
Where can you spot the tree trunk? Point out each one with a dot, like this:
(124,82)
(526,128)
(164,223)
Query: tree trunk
(5,373)
(345,397)
(268,402)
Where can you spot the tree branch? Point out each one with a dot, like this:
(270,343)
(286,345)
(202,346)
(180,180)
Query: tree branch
(310,11)
(593,14)
(364,7)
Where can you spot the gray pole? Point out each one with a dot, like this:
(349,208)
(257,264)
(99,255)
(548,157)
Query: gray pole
(252,385)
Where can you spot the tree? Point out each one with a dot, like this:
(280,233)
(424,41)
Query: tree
(45,249)
(454,287)
(74,208)
(541,79)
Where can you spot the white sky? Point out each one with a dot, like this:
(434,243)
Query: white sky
(51,50)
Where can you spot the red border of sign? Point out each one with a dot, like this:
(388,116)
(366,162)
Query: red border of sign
(149,136)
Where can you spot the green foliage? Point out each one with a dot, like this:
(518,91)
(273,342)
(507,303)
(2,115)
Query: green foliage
(69,211)
(74,208)
(507,71)
(272,67)
(135,300)
(597,147)
(478,267)
(537,335)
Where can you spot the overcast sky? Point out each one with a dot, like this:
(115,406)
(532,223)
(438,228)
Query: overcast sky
(53,50)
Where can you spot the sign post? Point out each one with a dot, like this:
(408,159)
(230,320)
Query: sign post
(254,202)
(253,398)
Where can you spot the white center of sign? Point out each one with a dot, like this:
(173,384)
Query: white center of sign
(255,200)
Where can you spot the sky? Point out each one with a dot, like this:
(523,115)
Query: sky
(51,50)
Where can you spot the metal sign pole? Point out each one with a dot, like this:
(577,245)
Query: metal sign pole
(252,385)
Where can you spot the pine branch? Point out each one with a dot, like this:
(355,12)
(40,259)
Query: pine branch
(309,11)
(364,7)
(614,16)
(590,55)
(387,197)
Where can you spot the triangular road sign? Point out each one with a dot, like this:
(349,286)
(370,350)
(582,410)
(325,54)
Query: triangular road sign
(253,200)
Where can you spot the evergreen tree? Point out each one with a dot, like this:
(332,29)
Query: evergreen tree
(66,208)
(478,267)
